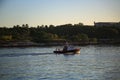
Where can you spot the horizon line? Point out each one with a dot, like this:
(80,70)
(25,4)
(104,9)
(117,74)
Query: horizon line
(64,24)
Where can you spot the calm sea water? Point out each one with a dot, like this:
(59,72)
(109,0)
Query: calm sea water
(37,63)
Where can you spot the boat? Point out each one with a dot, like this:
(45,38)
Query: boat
(68,50)
(74,51)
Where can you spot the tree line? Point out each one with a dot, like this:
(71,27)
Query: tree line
(67,32)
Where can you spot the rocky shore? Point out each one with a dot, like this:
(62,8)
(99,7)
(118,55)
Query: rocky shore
(33,44)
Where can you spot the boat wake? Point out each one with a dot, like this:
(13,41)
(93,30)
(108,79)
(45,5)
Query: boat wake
(25,54)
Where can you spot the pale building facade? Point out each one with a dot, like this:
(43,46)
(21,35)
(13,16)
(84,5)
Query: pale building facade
(106,24)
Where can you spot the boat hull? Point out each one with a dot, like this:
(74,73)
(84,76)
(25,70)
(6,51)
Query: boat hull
(75,51)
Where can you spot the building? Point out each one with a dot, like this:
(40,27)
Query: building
(106,24)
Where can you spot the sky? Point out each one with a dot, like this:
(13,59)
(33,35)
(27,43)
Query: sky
(58,12)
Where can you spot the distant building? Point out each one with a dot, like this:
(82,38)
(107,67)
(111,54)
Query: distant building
(106,24)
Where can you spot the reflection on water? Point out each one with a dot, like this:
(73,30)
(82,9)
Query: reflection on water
(94,62)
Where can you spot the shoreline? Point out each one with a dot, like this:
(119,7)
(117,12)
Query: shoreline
(32,44)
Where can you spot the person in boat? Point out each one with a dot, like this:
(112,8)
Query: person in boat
(57,49)
(67,47)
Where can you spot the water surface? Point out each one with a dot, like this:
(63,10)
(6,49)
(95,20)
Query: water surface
(40,63)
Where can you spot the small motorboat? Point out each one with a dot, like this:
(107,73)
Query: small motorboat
(67,50)
(74,51)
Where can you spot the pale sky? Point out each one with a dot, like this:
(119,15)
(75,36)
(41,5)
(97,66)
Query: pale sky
(57,12)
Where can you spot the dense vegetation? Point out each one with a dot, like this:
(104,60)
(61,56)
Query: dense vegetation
(68,32)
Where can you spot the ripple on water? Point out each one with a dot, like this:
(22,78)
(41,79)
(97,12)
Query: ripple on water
(94,62)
